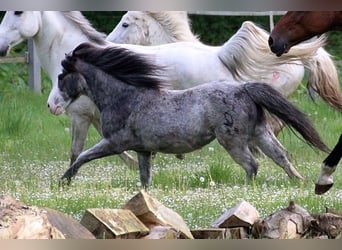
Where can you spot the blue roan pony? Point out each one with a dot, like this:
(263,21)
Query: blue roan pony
(138,114)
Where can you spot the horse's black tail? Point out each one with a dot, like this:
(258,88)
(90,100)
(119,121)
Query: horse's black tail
(271,100)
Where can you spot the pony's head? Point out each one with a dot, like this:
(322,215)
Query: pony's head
(71,83)
(88,64)
(16,26)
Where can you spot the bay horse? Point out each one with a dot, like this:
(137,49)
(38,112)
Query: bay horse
(138,113)
(293,28)
(297,26)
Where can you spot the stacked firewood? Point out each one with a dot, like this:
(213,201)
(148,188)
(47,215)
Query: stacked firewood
(144,217)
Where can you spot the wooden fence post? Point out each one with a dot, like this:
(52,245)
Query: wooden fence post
(34,67)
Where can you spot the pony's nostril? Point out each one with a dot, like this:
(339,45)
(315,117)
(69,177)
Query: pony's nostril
(48,105)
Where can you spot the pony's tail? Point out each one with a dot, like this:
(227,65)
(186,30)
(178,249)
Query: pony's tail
(271,100)
(323,78)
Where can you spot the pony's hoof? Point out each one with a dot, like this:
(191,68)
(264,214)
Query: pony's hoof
(180,156)
(321,189)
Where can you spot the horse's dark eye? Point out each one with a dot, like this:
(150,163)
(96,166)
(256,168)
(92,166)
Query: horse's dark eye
(125,25)
(18,13)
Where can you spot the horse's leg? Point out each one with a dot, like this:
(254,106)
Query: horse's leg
(101,149)
(145,168)
(79,129)
(126,157)
(237,147)
(325,179)
(269,144)
(276,124)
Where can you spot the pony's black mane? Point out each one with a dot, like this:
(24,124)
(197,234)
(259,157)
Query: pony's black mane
(123,64)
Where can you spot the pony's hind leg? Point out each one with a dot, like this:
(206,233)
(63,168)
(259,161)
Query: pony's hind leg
(237,147)
(270,145)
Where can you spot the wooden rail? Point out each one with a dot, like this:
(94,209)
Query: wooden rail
(32,60)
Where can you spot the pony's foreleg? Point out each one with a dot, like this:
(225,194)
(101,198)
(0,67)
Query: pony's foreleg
(145,168)
(325,179)
(129,160)
(101,149)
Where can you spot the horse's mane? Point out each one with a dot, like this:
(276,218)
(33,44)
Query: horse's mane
(129,67)
(83,23)
(175,23)
(247,52)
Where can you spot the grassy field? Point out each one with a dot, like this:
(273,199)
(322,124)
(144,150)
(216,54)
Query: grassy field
(34,153)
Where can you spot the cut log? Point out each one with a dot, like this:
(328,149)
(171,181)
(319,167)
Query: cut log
(220,233)
(162,233)
(242,215)
(19,221)
(113,224)
(69,227)
(152,213)
(329,224)
(288,223)
(209,233)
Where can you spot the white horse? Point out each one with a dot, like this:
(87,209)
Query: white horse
(57,33)
(160,27)
(152,28)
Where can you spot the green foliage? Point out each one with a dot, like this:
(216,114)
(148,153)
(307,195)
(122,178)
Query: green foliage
(216,30)
(104,21)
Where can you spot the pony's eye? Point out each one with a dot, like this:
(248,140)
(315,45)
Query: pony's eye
(125,25)
(18,13)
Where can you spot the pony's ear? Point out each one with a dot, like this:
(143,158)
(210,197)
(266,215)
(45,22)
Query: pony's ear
(68,63)
(83,48)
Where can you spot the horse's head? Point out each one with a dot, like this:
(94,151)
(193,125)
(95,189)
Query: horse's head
(152,28)
(132,29)
(297,26)
(17,26)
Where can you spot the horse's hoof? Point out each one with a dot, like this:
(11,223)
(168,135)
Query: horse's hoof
(321,189)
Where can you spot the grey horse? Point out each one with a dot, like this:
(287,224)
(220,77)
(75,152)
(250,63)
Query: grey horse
(138,113)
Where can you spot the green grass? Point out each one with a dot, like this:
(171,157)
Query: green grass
(34,153)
